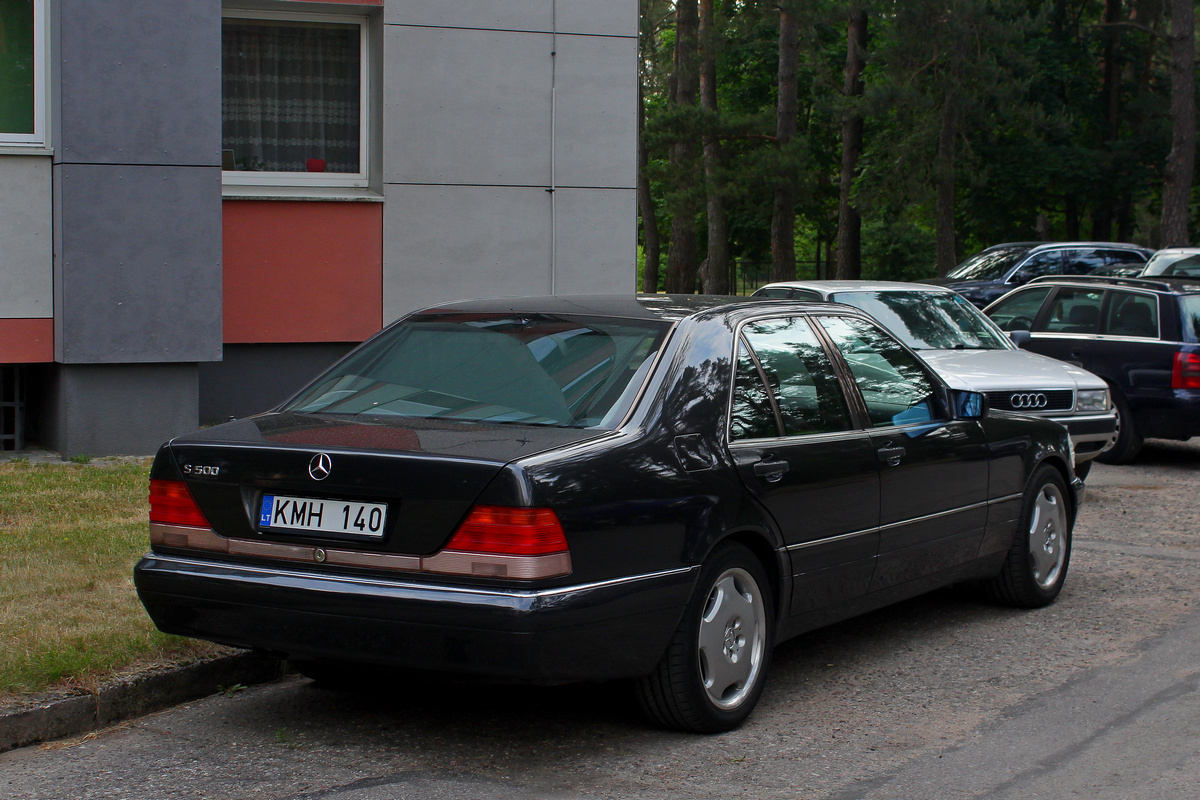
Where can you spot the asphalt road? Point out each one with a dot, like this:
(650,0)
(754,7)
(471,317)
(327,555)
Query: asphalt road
(941,697)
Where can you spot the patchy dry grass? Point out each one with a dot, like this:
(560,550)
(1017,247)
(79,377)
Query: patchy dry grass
(69,537)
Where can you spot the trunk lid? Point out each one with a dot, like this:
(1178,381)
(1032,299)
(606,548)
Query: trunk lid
(427,472)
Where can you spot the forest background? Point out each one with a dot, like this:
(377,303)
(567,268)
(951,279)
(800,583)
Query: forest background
(788,139)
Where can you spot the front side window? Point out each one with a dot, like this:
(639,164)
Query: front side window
(293,100)
(22,72)
(895,387)
(1038,265)
(479,367)
(1019,310)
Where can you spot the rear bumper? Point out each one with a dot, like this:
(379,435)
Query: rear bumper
(597,631)
(1168,414)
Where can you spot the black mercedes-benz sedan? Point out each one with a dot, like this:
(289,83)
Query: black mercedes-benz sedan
(590,488)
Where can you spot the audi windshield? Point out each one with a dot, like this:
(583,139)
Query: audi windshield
(926,320)
(990,265)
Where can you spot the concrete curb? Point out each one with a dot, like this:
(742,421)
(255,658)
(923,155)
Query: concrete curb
(143,694)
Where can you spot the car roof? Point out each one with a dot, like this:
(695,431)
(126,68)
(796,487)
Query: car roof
(1158,283)
(662,307)
(829,287)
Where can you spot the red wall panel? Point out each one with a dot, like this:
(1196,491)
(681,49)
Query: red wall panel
(302,271)
(26,341)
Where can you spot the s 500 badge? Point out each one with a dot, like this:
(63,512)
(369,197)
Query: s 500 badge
(199,470)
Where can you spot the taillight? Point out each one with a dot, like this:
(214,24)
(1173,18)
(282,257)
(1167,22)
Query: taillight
(509,531)
(172,504)
(505,542)
(1186,374)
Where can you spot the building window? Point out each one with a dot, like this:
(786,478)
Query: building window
(294,99)
(22,72)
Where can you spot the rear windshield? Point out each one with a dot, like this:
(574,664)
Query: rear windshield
(990,265)
(531,369)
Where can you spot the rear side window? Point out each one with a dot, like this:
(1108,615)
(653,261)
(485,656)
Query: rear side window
(532,369)
(800,376)
(1075,311)
(1081,262)
(895,387)
(1131,314)
(1190,306)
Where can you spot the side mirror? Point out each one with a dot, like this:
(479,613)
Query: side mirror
(1019,338)
(970,405)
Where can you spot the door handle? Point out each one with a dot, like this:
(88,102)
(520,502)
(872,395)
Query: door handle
(891,455)
(771,471)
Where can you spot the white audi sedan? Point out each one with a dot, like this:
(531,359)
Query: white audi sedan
(971,352)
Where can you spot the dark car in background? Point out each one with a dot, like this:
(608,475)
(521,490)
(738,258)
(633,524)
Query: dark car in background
(987,275)
(1142,335)
(589,488)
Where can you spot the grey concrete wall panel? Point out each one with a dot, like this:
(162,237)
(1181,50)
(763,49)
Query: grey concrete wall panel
(138,272)
(127,409)
(252,378)
(26,238)
(596,113)
(502,15)
(595,17)
(467,107)
(598,17)
(445,243)
(596,241)
(139,82)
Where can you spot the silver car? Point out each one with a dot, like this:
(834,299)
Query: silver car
(971,352)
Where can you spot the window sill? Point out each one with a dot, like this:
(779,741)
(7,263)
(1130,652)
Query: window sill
(309,193)
(25,150)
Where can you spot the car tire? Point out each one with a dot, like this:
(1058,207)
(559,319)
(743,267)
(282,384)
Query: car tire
(1128,440)
(713,671)
(1036,567)
(1082,470)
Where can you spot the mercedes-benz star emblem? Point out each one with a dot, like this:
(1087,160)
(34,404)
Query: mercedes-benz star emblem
(1029,400)
(320,467)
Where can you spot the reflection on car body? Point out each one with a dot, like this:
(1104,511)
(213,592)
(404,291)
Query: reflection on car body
(655,488)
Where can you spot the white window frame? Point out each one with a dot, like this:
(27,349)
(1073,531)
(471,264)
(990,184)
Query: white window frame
(40,82)
(361,179)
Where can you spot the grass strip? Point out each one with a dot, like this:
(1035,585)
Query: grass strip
(69,537)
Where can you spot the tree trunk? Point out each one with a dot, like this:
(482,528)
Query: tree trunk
(849,232)
(1177,178)
(944,180)
(646,205)
(682,261)
(715,276)
(1102,216)
(783,215)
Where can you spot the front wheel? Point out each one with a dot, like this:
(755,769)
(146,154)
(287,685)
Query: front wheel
(1036,567)
(712,674)
(1128,441)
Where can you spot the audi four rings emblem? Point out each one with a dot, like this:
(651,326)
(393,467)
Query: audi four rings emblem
(1029,400)
(320,467)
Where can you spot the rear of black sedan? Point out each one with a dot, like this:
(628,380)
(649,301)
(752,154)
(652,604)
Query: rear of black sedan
(564,489)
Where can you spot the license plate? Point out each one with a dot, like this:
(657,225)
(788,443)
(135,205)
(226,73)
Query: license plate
(322,516)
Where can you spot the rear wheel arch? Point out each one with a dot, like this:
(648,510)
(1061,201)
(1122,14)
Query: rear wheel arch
(767,556)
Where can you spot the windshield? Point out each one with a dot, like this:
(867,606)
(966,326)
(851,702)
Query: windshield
(990,265)
(1173,264)
(531,369)
(929,320)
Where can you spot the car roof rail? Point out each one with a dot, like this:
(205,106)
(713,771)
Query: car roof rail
(1135,283)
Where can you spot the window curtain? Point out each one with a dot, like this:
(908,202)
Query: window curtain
(290,95)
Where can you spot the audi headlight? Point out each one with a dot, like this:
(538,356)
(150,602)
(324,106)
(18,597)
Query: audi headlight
(1092,400)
